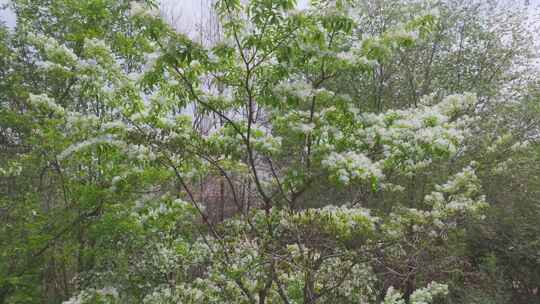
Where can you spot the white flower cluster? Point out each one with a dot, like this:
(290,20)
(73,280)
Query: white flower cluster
(264,141)
(457,198)
(349,166)
(520,145)
(342,222)
(305,127)
(49,65)
(56,55)
(401,34)
(420,296)
(164,257)
(456,103)
(355,56)
(114,125)
(96,45)
(139,152)
(297,121)
(427,294)
(393,296)
(138,9)
(81,122)
(150,61)
(503,167)
(107,295)
(103,139)
(98,51)
(44,101)
(13,168)
(358,285)
(465,182)
(410,139)
(54,50)
(298,88)
(459,195)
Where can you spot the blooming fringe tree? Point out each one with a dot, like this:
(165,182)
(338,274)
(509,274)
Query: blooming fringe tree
(126,142)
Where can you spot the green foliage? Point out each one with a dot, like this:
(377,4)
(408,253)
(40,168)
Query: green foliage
(353,152)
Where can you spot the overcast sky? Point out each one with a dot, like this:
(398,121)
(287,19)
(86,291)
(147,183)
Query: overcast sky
(5,15)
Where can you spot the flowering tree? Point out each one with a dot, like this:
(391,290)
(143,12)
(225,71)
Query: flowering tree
(112,120)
